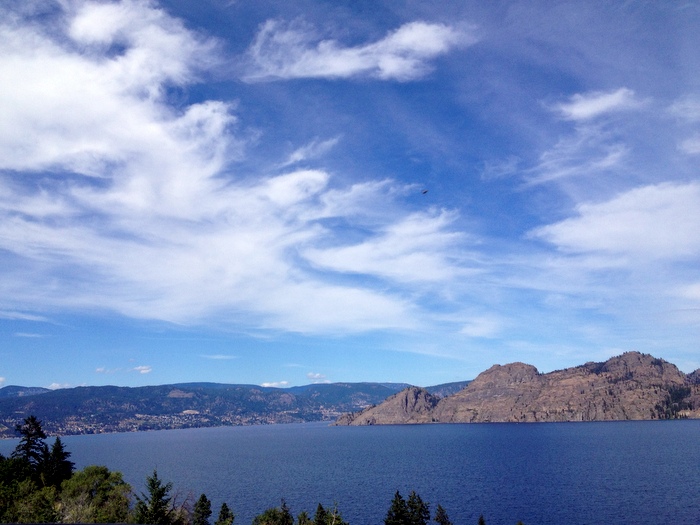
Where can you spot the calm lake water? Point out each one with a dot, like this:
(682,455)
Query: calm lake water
(548,473)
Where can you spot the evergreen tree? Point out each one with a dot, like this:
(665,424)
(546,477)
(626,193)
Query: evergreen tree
(226,517)
(55,467)
(155,507)
(398,511)
(202,511)
(31,447)
(418,511)
(320,516)
(441,517)
(482,521)
(304,519)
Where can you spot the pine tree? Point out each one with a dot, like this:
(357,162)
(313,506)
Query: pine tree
(202,511)
(55,467)
(418,511)
(398,511)
(154,507)
(441,517)
(482,521)
(320,516)
(226,517)
(31,447)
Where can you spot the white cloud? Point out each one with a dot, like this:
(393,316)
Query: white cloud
(143,369)
(219,357)
(310,151)
(691,146)
(21,316)
(656,222)
(283,51)
(482,326)
(417,249)
(27,334)
(2,381)
(138,211)
(58,386)
(590,105)
(317,378)
(276,384)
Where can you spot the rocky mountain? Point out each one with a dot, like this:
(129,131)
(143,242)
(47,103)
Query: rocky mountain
(630,386)
(86,410)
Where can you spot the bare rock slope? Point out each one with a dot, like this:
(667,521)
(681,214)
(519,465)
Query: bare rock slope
(630,386)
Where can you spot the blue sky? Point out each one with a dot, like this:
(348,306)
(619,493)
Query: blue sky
(292,192)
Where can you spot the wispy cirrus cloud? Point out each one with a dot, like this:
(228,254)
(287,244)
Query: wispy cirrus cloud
(219,357)
(313,150)
(102,179)
(295,50)
(587,106)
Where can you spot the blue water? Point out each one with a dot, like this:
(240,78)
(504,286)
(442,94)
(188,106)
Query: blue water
(568,473)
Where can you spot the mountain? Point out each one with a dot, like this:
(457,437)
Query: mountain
(86,410)
(630,386)
(21,391)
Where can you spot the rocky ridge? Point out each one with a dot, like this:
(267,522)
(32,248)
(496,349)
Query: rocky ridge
(632,386)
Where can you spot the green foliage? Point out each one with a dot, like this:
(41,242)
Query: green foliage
(226,517)
(95,495)
(55,467)
(202,511)
(441,517)
(31,447)
(418,511)
(321,515)
(275,516)
(33,505)
(328,516)
(398,511)
(412,512)
(155,506)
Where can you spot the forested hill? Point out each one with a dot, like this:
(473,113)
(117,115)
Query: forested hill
(87,410)
(629,386)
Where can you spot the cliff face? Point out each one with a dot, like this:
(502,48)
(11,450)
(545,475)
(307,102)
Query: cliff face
(630,386)
(412,405)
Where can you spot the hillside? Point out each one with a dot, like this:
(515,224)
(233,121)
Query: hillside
(630,386)
(97,409)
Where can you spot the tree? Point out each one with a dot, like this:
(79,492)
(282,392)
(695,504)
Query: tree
(320,516)
(202,511)
(155,507)
(226,517)
(398,511)
(441,517)
(418,511)
(31,447)
(95,495)
(55,467)
(275,516)
(482,521)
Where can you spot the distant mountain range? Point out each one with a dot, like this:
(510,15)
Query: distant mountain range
(631,386)
(98,409)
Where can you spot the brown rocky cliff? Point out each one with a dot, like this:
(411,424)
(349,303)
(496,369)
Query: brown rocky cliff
(412,405)
(630,386)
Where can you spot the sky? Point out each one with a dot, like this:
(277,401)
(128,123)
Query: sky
(284,193)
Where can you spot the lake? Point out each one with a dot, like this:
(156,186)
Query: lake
(542,473)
